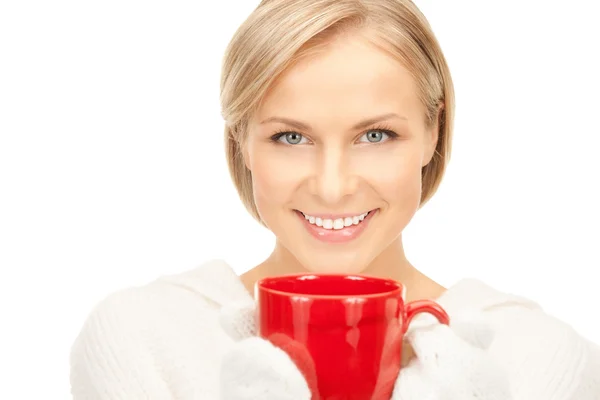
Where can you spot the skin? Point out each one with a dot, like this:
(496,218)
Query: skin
(335,168)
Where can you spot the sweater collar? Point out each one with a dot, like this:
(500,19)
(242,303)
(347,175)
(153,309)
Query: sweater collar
(214,280)
(472,295)
(217,281)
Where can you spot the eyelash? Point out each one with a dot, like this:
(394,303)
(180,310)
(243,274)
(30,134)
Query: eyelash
(380,128)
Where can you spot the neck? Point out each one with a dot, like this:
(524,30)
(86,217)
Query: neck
(390,264)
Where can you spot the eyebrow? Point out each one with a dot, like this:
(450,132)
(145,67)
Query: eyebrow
(361,125)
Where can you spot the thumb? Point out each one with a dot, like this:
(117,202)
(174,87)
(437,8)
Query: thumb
(255,369)
(300,356)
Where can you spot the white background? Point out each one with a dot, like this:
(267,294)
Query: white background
(112,170)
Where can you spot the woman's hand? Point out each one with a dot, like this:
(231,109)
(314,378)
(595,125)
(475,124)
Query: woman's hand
(451,363)
(255,369)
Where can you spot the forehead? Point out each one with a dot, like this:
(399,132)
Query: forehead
(349,78)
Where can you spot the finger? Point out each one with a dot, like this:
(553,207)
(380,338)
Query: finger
(299,355)
(470,327)
(435,345)
(408,353)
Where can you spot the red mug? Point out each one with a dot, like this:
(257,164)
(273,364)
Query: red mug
(344,332)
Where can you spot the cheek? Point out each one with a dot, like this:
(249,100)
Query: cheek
(402,187)
(274,180)
(395,177)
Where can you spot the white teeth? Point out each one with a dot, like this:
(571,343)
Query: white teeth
(337,224)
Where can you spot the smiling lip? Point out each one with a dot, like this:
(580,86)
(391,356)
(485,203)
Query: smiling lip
(343,235)
(333,216)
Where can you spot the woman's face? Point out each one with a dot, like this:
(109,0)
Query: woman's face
(339,135)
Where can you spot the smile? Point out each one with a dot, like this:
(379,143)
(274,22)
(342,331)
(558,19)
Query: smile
(339,228)
(336,223)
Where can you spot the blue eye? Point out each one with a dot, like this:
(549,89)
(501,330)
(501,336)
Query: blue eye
(289,138)
(376,136)
(371,136)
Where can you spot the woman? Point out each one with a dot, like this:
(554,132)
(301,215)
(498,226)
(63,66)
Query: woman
(338,129)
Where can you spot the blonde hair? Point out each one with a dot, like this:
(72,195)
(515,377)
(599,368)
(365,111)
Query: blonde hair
(279,32)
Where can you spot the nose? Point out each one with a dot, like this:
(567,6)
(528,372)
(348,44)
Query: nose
(333,178)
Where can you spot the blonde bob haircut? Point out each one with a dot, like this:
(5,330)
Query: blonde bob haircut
(280,32)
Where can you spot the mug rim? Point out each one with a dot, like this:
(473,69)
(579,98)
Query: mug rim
(259,286)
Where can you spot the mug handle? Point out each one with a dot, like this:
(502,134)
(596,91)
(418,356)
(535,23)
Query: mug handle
(420,306)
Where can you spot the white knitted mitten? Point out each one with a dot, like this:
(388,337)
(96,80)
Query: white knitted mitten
(452,363)
(255,369)
(238,319)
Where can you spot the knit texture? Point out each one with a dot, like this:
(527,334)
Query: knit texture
(190,336)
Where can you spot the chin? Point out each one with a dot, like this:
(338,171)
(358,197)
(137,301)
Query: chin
(334,263)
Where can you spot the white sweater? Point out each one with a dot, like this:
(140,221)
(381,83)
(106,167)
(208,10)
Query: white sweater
(165,341)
